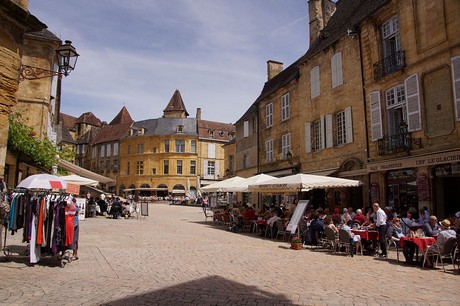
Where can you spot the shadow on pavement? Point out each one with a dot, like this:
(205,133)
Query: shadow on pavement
(212,290)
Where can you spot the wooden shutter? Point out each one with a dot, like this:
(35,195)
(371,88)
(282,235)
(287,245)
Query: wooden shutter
(322,134)
(348,125)
(246,129)
(414,120)
(308,137)
(314,82)
(376,116)
(329,132)
(456,85)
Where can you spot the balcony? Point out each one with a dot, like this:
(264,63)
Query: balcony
(398,143)
(390,64)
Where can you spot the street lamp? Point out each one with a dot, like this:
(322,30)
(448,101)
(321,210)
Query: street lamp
(66,58)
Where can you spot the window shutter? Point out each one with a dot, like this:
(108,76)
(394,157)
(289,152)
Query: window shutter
(339,69)
(322,134)
(348,125)
(216,169)
(308,137)
(376,116)
(414,120)
(329,134)
(246,129)
(456,85)
(211,150)
(314,82)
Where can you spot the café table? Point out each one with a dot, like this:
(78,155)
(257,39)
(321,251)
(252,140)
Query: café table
(369,235)
(421,242)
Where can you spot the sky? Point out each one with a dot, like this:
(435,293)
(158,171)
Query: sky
(136,53)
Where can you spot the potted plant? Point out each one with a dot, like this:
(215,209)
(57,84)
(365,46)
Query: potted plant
(296,243)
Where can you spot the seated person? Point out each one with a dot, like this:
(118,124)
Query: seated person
(328,223)
(354,239)
(431,228)
(316,228)
(395,232)
(445,234)
(250,213)
(359,217)
(271,223)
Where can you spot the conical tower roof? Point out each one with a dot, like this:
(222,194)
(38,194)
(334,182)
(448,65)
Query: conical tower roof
(176,107)
(122,117)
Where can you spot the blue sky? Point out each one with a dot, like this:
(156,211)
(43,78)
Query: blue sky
(138,52)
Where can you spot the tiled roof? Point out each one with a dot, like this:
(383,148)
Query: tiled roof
(44,34)
(122,117)
(220,131)
(90,119)
(66,135)
(111,133)
(167,126)
(176,104)
(67,121)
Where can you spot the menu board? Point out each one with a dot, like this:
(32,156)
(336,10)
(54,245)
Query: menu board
(298,213)
(423,187)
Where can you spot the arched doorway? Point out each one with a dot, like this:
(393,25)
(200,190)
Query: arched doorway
(178,190)
(162,190)
(145,193)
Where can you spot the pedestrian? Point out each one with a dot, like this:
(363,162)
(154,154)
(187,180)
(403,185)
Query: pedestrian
(381,226)
(76,229)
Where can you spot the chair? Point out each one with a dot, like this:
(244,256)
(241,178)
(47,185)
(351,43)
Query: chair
(281,230)
(345,240)
(247,223)
(441,252)
(393,243)
(331,240)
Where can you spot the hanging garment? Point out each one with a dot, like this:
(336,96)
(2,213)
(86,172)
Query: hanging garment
(35,249)
(70,211)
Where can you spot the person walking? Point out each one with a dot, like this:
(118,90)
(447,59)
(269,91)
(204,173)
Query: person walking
(381,225)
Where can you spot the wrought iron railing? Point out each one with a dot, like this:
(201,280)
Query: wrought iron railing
(390,64)
(397,143)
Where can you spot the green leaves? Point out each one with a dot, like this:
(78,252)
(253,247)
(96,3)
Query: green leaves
(41,153)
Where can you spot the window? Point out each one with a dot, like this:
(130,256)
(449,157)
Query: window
(167,146)
(314,82)
(140,131)
(115,165)
(109,150)
(269,115)
(193,146)
(140,148)
(115,149)
(395,96)
(140,167)
(285,107)
(269,150)
(101,166)
(395,99)
(231,162)
(245,161)
(154,150)
(128,168)
(102,151)
(211,133)
(180,146)
(180,129)
(336,69)
(211,168)
(391,37)
(166,167)
(318,143)
(107,165)
(246,129)
(94,152)
(193,167)
(285,144)
(179,167)
(154,171)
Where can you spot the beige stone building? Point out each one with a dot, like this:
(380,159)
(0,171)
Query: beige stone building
(174,155)
(411,64)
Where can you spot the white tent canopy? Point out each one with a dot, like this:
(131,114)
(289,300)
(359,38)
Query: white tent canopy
(79,180)
(223,186)
(243,186)
(302,182)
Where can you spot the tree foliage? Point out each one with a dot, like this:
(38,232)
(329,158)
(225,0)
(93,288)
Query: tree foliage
(41,153)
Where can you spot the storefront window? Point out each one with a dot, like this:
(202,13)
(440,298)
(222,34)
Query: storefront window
(402,189)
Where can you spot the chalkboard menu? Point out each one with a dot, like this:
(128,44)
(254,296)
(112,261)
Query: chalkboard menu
(423,187)
(298,213)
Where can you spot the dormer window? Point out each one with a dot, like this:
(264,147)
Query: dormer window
(180,128)
(221,133)
(140,131)
(131,132)
(211,133)
(231,135)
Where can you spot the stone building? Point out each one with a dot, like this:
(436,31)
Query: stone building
(411,64)
(173,155)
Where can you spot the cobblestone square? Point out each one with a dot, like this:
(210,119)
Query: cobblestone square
(176,257)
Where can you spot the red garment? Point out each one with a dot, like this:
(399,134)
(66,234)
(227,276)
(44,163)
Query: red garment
(250,214)
(360,218)
(70,211)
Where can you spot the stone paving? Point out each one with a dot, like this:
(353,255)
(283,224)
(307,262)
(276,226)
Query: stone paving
(176,257)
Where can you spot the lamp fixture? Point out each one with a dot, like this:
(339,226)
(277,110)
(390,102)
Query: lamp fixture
(66,57)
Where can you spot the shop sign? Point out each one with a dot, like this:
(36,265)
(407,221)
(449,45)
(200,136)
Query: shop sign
(423,188)
(375,193)
(428,160)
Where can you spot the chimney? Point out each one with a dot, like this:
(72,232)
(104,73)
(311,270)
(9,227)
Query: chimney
(198,113)
(273,69)
(319,13)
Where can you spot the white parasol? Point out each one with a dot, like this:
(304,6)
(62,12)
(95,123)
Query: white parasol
(42,181)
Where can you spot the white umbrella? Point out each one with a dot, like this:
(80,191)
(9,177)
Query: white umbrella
(223,186)
(302,182)
(42,181)
(242,186)
(79,180)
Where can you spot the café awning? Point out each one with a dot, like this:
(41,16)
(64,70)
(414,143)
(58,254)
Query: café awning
(85,172)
